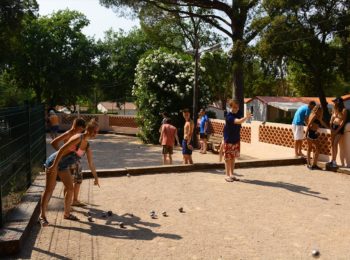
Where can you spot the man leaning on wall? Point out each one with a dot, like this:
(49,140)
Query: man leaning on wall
(299,121)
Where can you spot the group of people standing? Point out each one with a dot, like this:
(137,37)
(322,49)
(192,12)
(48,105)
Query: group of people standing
(230,145)
(65,162)
(311,116)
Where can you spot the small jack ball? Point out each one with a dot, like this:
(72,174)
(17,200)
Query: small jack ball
(128,175)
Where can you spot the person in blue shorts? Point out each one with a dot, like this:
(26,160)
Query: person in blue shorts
(299,121)
(187,141)
(203,130)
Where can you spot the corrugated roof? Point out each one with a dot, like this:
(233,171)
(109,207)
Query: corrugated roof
(269,99)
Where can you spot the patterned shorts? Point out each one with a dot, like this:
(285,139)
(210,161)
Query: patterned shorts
(167,149)
(77,172)
(232,151)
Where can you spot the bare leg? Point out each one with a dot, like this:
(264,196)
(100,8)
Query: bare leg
(228,165)
(296,148)
(205,145)
(309,149)
(67,180)
(201,145)
(190,159)
(49,188)
(335,147)
(170,159)
(232,166)
(76,191)
(316,152)
(164,159)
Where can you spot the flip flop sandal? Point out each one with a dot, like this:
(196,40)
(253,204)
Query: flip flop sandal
(235,179)
(71,217)
(229,179)
(79,204)
(43,222)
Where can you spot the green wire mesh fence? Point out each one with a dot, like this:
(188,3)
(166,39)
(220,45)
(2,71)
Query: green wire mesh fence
(22,152)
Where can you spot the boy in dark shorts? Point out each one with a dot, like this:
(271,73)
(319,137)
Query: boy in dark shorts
(203,130)
(231,145)
(167,138)
(186,142)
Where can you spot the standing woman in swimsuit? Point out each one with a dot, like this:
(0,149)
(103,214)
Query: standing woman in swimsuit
(337,123)
(58,164)
(313,144)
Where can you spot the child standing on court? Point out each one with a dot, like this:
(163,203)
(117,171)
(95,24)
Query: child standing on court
(167,138)
(187,141)
(232,130)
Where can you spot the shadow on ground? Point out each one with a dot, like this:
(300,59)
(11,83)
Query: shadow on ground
(287,186)
(135,228)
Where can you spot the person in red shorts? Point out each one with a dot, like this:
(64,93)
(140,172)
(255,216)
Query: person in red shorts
(231,145)
(167,138)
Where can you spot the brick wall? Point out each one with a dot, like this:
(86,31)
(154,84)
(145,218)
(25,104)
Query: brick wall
(123,121)
(216,126)
(282,135)
(68,119)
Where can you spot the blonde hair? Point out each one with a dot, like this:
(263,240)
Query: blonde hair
(91,126)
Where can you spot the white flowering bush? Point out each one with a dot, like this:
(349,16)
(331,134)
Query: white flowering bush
(164,83)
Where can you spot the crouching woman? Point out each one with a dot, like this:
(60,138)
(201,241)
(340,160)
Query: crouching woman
(59,163)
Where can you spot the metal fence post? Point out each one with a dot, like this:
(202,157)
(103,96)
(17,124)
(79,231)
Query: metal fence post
(1,215)
(29,173)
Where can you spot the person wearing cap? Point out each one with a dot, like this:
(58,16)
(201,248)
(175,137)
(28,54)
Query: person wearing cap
(187,141)
(337,123)
(299,121)
(54,123)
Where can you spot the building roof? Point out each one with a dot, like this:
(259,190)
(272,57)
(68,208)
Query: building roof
(346,97)
(305,100)
(113,105)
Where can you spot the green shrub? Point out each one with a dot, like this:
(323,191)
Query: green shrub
(164,83)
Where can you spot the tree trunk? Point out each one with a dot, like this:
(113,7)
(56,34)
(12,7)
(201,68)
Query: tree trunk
(238,73)
(319,88)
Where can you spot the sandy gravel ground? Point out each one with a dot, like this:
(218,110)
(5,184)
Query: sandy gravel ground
(273,213)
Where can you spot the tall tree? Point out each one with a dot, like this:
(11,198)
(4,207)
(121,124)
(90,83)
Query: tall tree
(57,58)
(233,19)
(303,31)
(117,60)
(12,16)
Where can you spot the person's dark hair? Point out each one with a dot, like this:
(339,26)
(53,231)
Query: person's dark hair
(165,114)
(79,122)
(312,103)
(339,106)
(168,121)
(185,110)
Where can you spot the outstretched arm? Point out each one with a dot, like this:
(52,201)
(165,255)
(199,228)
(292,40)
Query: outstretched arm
(243,119)
(161,134)
(177,137)
(62,138)
(92,166)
